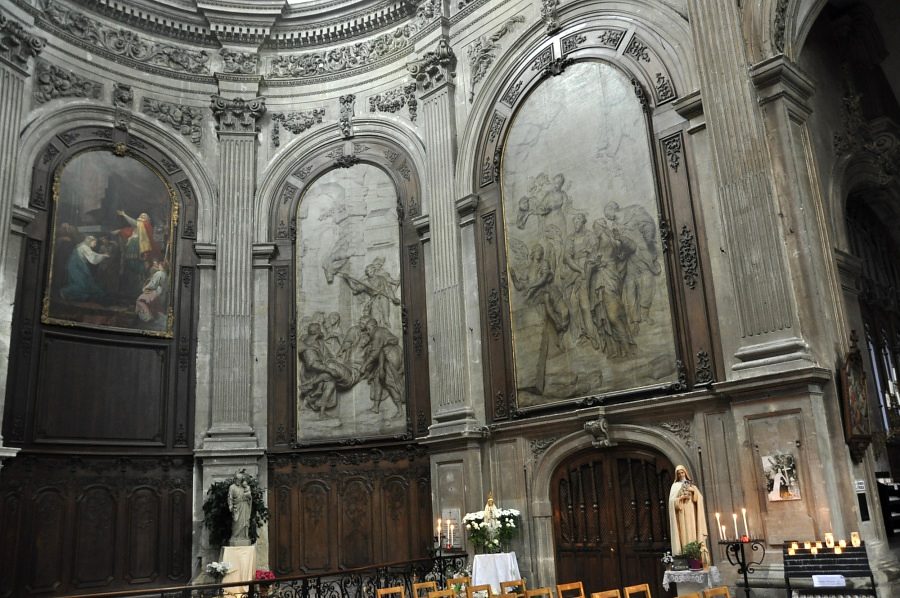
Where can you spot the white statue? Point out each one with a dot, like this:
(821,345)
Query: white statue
(687,516)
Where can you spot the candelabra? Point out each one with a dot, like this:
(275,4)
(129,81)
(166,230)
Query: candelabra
(735,551)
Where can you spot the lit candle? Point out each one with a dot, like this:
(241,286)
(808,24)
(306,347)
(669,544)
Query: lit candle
(818,545)
(838,550)
(807,545)
(829,540)
(736,536)
(719,523)
(451,534)
(746,529)
(791,551)
(439,527)
(854,539)
(842,543)
(794,545)
(723,533)
(814,550)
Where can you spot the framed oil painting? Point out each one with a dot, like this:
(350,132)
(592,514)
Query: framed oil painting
(112,246)
(351,376)
(589,296)
(857,429)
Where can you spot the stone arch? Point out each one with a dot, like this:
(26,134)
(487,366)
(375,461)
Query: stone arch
(664,31)
(541,507)
(39,131)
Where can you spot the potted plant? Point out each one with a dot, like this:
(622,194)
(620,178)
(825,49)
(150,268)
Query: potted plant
(263,575)
(692,552)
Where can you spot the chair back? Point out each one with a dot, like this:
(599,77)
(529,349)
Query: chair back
(392,591)
(484,589)
(458,581)
(448,593)
(607,594)
(691,595)
(639,591)
(516,587)
(423,588)
(574,589)
(539,593)
(717,592)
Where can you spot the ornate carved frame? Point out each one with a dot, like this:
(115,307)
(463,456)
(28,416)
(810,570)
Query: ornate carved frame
(619,43)
(400,168)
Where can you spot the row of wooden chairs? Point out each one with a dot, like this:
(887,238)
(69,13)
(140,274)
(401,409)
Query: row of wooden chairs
(518,589)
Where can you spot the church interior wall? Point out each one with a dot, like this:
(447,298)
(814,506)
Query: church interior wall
(716,410)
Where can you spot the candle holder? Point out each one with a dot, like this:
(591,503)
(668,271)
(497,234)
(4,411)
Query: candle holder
(736,553)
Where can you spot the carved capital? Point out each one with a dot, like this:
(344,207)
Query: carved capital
(17,45)
(237,115)
(434,68)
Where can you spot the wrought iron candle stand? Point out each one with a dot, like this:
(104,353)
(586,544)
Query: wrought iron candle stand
(735,551)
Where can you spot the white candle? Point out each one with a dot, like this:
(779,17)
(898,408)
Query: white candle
(439,528)
(719,523)
(814,550)
(736,536)
(829,540)
(842,544)
(451,534)
(854,539)
(746,529)
(723,533)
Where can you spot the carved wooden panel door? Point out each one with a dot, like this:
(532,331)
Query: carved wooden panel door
(610,518)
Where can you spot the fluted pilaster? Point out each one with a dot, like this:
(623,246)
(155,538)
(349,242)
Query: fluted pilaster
(434,76)
(231,358)
(764,300)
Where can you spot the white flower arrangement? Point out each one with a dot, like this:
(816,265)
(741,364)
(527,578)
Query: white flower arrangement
(667,558)
(492,533)
(218,569)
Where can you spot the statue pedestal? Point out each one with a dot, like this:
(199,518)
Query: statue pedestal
(243,567)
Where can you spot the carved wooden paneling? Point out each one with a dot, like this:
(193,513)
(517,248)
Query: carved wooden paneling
(87,524)
(347,508)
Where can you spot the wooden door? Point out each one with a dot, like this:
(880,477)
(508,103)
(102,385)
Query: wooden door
(611,518)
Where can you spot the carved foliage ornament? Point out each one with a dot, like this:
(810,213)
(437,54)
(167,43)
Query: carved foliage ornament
(243,63)
(52,82)
(395,99)
(16,44)
(687,254)
(348,102)
(483,52)
(297,122)
(779,24)
(550,15)
(672,146)
(237,115)
(187,120)
(124,43)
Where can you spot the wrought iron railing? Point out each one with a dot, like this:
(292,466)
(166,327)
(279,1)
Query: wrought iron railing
(349,583)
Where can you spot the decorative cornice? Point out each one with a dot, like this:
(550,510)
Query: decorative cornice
(434,68)
(237,115)
(124,44)
(17,45)
(53,82)
(187,120)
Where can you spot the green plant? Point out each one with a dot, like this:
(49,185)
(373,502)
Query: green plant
(692,550)
(217,517)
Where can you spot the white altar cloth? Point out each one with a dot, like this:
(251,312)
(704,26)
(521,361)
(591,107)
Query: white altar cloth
(692,581)
(494,568)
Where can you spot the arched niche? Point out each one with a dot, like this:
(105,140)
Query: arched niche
(581,112)
(347,252)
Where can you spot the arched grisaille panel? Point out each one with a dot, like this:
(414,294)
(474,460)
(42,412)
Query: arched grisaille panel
(590,258)
(359,260)
(101,384)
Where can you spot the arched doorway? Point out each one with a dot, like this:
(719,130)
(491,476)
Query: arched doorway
(610,517)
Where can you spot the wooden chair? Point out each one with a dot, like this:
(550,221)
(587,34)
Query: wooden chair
(485,588)
(717,592)
(516,587)
(574,589)
(509,596)
(458,581)
(448,593)
(638,591)
(423,588)
(691,595)
(392,591)
(607,594)
(539,593)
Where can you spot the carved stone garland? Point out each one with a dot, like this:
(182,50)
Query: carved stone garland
(53,82)
(187,120)
(395,99)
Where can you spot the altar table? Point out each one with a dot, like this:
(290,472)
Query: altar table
(494,568)
(693,581)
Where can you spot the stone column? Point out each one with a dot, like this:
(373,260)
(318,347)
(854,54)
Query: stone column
(451,403)
(17,46)
(231,367)
(766,335)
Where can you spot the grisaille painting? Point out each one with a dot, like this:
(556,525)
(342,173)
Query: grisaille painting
(588,291)
(349,321)
(111,254)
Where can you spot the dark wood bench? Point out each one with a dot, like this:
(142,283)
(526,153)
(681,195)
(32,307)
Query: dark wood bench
(852,563)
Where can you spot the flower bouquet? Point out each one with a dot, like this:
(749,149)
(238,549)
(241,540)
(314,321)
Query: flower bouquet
(492,529)
(263,575)
(217,570)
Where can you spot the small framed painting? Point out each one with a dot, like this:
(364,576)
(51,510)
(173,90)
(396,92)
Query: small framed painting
(782,480)
(855,402)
